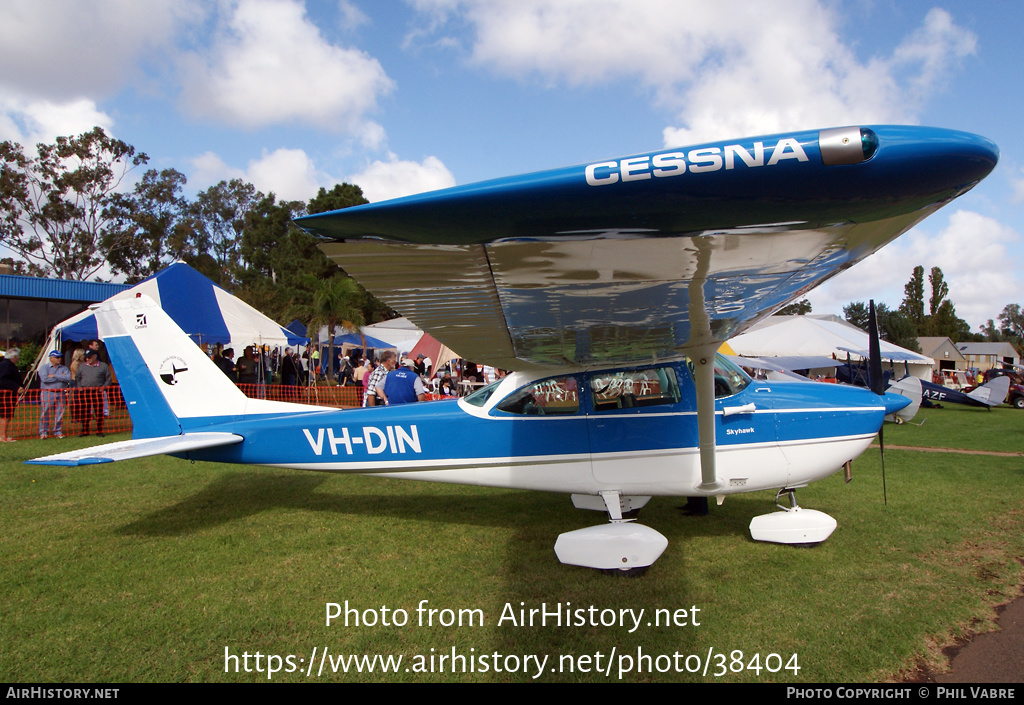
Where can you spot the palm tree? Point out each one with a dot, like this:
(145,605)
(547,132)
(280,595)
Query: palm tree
(336,302)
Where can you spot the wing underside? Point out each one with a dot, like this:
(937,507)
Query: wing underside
(602,298)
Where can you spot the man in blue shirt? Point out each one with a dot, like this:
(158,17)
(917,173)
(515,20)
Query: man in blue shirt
(402,386)
(54,379)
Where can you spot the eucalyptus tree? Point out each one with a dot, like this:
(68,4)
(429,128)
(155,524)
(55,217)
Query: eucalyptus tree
(56,208)
(150,225)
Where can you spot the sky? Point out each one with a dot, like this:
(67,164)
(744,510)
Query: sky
(406,96)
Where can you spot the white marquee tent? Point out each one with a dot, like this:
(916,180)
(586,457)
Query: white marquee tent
(821,336)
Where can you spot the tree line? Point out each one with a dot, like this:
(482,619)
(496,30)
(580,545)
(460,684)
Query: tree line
(918,317)
(65,213)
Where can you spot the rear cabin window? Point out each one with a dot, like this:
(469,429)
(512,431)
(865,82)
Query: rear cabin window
(634,389)
(549,397)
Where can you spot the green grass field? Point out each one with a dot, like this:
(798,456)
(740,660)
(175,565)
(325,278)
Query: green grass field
(149,570)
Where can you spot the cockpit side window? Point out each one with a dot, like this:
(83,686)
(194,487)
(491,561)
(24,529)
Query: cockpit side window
(548,397)
(634,388)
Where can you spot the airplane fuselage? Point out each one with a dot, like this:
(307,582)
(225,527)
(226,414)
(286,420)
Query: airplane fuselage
(634,430)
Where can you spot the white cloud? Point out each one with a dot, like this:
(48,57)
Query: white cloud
(1017,183)
(931,50)
(288,173)
(29,122)
(728,68)
(977,256)
(351,16)
(292,175)
(60,50)
(58,58)
(208,169)
(271,65)
(382,180)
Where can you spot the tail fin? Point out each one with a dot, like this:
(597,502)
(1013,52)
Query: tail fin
(168,383)
(992,393)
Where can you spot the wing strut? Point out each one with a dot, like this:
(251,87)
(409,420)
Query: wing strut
(704,380)
(703,357)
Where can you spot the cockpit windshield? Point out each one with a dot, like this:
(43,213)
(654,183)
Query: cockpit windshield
(480,396)
(729,378)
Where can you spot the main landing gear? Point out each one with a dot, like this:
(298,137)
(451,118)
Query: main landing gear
(621,546)
(793,525)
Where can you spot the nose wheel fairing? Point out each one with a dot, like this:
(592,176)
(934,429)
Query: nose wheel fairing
(792,525)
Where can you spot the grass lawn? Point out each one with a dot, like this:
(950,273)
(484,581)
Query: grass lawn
(149,570)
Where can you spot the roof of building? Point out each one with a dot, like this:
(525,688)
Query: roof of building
(932,345)
(21,287)
(986,349)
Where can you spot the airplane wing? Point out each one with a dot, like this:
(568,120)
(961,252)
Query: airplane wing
(125,450)
(888,355)
(787,363)
(644,257)
(773,370)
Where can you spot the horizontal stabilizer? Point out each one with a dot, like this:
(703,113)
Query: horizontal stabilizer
(125,450)
(992,393)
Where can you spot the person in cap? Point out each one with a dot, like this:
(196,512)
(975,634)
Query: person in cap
(403,385)
(54,380)
(373,394)
(423,365)
(90,379)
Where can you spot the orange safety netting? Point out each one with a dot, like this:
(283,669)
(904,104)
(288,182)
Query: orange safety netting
(102,409)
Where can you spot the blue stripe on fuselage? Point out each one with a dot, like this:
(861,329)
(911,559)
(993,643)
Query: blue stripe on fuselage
(442,432)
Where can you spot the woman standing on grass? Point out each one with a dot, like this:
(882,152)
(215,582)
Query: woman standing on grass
(10,385)
(74,398)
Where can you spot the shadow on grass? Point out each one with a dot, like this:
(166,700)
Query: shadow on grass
(236,495)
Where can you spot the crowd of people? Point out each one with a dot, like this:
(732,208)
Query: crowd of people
(73,380)
(387,379)
(72,383)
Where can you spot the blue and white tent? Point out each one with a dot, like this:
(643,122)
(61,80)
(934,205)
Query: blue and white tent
(354,340)
(206,312)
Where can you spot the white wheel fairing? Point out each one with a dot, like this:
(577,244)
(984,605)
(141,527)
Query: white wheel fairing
(618,546)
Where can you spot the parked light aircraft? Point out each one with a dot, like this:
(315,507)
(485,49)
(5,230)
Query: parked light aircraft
(988,395)
(992,393)
(607,289)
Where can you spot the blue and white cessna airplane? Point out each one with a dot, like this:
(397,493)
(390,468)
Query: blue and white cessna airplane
(607,288)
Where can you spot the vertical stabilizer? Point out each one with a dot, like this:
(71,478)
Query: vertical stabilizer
(993,393)
(166,379)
